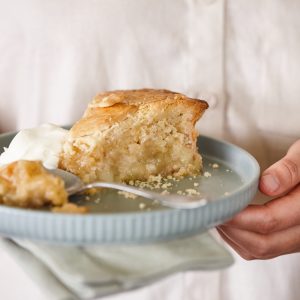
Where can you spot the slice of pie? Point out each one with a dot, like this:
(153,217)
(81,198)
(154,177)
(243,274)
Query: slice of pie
(133,134)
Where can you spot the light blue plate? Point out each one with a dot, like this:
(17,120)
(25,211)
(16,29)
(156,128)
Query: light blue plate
(116,219)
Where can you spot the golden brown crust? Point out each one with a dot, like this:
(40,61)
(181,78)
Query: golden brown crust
(101,118)
(109,108)
(138,97)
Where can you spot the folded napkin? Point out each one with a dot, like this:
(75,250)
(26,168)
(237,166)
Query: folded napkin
(69,273)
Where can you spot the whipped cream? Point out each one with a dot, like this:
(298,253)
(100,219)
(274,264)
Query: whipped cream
(42,143)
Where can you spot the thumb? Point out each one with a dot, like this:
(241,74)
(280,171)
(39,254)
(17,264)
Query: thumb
(284,174)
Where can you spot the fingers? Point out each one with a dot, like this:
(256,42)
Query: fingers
(273,229)
(284,174)
(276,215)
(266,231)
(252,245)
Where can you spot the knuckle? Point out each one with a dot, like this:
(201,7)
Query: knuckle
(291,170)
(268,222)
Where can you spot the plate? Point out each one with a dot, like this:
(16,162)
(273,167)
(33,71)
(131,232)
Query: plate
(230,181)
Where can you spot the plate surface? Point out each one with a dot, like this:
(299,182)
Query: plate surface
(230,182)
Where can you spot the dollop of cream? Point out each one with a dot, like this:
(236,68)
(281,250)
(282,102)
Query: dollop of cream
(42,143)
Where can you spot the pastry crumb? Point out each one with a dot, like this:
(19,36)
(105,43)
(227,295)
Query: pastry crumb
(97,201)
(142,206)
(196,184)
(166,185)
(192,192)
(127,195)
(153,178)
(155,182)
(215,166)
(71,208)
(207,174)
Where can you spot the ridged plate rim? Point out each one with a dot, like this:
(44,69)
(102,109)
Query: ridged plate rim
(132,227)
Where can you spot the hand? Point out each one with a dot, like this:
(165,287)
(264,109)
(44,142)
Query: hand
(273,229)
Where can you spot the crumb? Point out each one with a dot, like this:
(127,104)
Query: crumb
(226,194)
(215,166)
(207,174)
(70,208)
(127,195)
(153,178)
(131,182)
(141,184)
(142,205)
(227,170)
(166,185)
(192,192)
(179,192)
(155,182)
(196,184)
(97,201)
(190,178)
(87,198)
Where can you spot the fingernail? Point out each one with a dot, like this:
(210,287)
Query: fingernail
(270,183)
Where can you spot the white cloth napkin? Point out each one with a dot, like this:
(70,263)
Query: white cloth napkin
(69,273)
